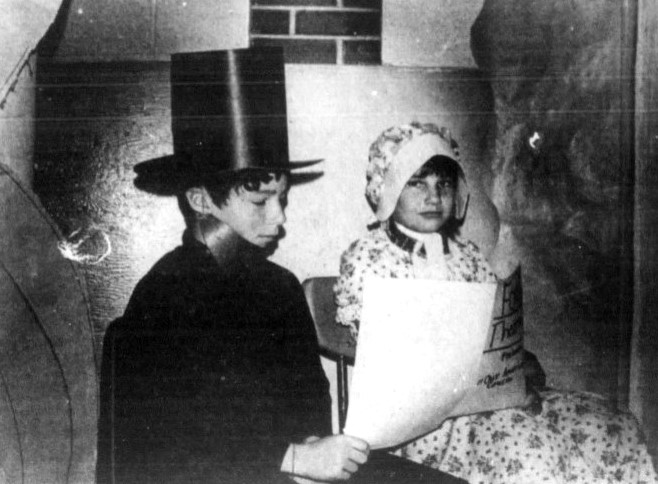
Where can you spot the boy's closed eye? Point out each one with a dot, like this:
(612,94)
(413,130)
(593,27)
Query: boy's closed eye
(261,202)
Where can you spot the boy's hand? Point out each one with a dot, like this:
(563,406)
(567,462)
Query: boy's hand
(331,458)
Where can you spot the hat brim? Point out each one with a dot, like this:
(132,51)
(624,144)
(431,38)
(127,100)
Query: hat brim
(164,175)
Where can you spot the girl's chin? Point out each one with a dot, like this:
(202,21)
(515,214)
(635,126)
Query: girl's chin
(429,225)
(426,228)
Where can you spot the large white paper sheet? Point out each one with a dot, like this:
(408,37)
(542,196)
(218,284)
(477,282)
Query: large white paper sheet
(420,345)
(501,381)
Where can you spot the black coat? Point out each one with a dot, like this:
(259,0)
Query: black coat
(210,374)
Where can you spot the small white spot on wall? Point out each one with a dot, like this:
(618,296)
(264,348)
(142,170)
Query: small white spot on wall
(86,246)
(535,141)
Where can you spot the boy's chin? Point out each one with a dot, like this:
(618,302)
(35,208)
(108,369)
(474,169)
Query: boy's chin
(266,246)
(269,248)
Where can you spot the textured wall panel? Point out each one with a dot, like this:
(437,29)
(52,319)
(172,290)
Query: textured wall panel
(189,25)
(108,30)
(95,122)
(559,172)
(17,123)
(48,395)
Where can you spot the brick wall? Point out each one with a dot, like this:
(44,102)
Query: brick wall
(320,31)
(311,31)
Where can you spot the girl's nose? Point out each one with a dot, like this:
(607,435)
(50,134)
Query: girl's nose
(433,195)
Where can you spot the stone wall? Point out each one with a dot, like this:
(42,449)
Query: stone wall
(559,175)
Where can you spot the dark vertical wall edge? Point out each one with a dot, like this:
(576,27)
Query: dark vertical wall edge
(644,364)
(628,46)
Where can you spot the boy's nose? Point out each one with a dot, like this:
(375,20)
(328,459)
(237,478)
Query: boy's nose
(277,215)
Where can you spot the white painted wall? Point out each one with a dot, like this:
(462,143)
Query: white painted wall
(335,113)
(428,32)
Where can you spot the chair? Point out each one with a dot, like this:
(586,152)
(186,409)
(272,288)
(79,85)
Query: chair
(334,340)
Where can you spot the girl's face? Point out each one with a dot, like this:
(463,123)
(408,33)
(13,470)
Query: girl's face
(427,202)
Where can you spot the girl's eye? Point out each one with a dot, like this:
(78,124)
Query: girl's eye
(446,185)
(414,183)
(260,203)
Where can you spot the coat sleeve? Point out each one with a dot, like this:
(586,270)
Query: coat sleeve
(217,423)
(309,408)
(292,400)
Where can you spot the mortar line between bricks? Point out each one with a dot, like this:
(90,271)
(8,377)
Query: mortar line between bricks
(316,9)
(314,37)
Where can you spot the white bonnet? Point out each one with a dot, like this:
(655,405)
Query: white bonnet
(397,154)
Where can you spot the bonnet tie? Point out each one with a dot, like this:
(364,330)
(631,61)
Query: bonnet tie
(432,264)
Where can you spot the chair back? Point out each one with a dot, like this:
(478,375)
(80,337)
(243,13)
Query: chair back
(334,340)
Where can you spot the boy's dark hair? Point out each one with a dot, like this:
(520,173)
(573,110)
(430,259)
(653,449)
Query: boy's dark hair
(449,168)
(220,187)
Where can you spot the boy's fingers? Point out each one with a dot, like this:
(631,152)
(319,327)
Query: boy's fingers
(358,457)
(344,475)
(350,467)
(359,444)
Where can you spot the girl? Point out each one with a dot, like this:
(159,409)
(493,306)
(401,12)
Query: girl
(417,189)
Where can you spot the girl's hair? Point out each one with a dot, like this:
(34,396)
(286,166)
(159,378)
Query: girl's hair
(441,166)
(445,167)
(220,188)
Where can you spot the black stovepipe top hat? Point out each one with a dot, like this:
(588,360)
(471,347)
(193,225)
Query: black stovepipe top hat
(228,111)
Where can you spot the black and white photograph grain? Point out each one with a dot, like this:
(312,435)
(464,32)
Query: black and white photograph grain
(328,242)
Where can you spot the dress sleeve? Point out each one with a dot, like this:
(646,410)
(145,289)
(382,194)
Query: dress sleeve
(479,267)
(357,262)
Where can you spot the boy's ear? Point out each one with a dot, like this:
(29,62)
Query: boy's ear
(199,199)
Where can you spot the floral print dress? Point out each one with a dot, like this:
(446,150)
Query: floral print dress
(567,437)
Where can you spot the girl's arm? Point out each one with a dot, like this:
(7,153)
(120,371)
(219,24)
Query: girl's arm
(363,258)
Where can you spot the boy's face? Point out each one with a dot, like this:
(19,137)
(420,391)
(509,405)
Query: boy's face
(426,203)
(256,216)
